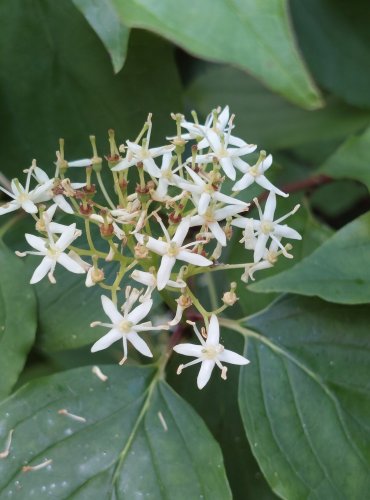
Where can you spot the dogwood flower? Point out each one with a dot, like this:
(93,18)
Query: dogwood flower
(150,281)
(166,177)
(53,252)
(266,227)
(228,158)
(172,250)
(210,353)
(256,173)
(125,326)
(206,191)
(53,191)
(143,154)
(212,216)
(22,197)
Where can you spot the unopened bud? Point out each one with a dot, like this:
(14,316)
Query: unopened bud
(141,252)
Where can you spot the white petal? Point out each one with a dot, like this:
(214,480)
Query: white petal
(63,204)
(203,204)
(284,231)
(106,341)
(139,344)
(36,242)
(42,270)
(214,141)
(267,162)
(51,211)
(144,278)
(197,220)
(193,258)
(244,150)
(29,207)
(213,333)
(270,207)
(205,372)
(228,211)
(166,160)
(218,232)
(181,231)
(223,118)
(236,141)
(40,175)
(66,237)
(232,357)
(228,199)
(159,247)
(86,162)
(244,182)
(9,207)
(111,310)
(122,165)
(239,222)
(228,167)
(139,313)
(260,247)
(55,227)
(164,271)
(70,264)
(189,350)
(196,178)
(265,183)
(151,167)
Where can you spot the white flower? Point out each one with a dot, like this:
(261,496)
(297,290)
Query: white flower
(51,192)
(53,252)
(172,250)
(256,173)
(150,281)
(212,216)
(137,153)
(22,196)
(227,157)
(270,258)
(166,177)
(218,125)
(209,353)
(125,326)
(206,192)
(266,227)
(84,162)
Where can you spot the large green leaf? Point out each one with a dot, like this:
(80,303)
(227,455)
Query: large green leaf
(103,18)
(335,39)
(338,271)
(351,160)
(71,91)
(17,318)
(222,416)
(249,34)
(139,440)
(266,119)
(305,398)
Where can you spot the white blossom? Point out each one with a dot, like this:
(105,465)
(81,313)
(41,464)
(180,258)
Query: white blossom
(206,192)
(53,253)
(266,227)
(172,250)
(166,177)
(228,158)
(127,325)
(209,353)
(150,281)
(22,197)
(212,217)
(51,191)
(256,173)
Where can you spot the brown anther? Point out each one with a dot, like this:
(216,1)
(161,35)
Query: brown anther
(113,159)
(141,190)
(85,209)
(106,230)
(140,164)
(174,218)
(89,190)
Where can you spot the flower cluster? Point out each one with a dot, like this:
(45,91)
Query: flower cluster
(165,218)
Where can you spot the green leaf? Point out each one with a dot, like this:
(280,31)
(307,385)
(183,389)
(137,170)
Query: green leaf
(253,36)
(139,439)
(266,119)
(102,17)
(305,398)
(351,160)
(17,319)
(338,271)
(71,92)
(217,404)
(335,40)
(313,232)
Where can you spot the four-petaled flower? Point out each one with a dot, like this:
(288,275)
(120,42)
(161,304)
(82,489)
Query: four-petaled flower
(210,353)
(172,250)
(126,326)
